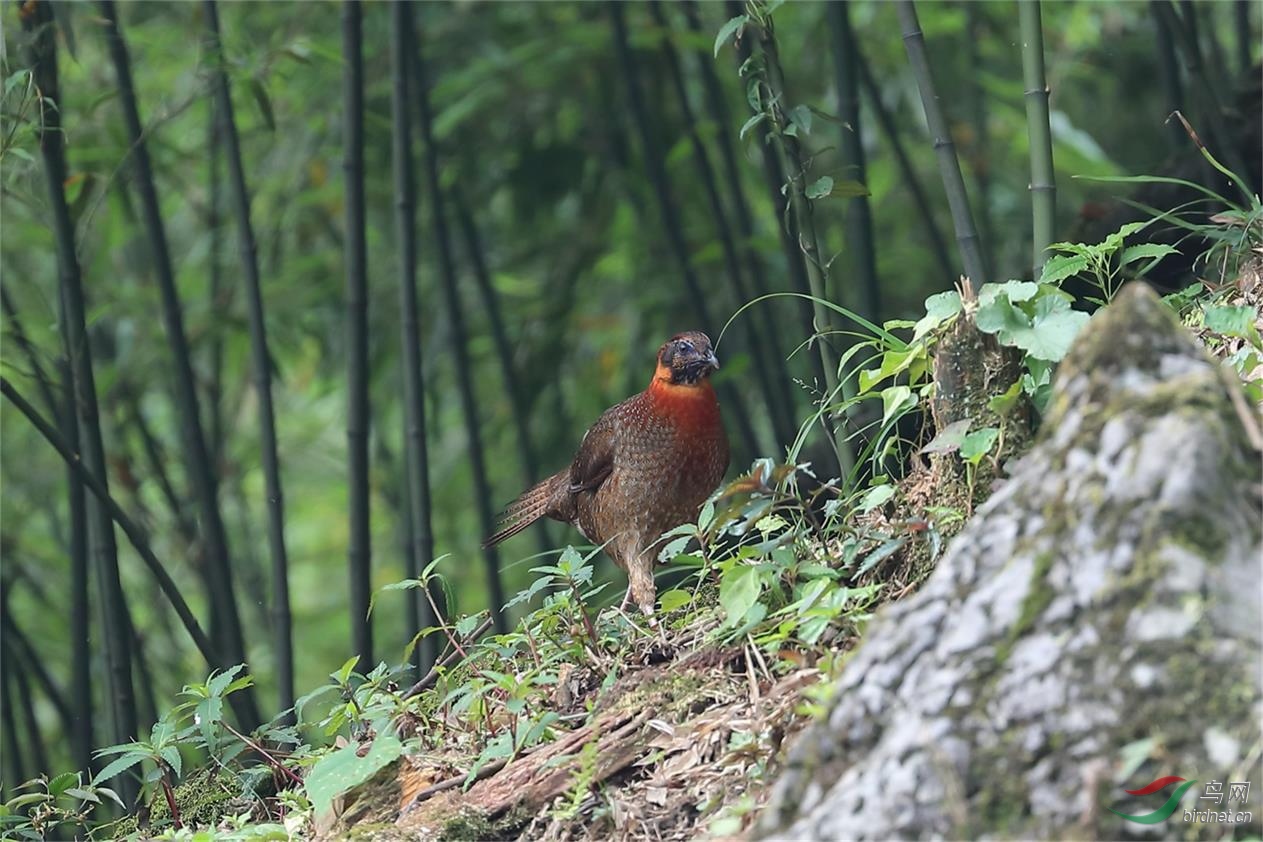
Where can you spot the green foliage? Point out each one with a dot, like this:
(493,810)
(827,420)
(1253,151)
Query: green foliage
(53,808)
(348,767)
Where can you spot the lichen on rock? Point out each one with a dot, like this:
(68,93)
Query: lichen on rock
(1094,627)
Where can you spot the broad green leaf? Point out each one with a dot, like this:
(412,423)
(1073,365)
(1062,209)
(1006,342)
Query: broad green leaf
(750,124)
(465,625)
(1014,291)
(343,675)
(122,764)
(1055,327)
(894,400)
(938,308)
(820,188)
(62,783)
(739,591)
(849,189)
(877,556)
(1062,266)
(728,30)
(82,794)
(1003,404)
(171,754)
(1230,321)
(949,438)
(674,547)
(1142,251)
(343,769)
(876,496)
(674,599)
(800,116)
(977,444)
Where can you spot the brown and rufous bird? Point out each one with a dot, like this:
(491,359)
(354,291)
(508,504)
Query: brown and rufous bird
(645,466)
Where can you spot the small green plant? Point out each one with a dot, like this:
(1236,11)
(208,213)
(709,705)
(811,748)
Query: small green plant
(60,807)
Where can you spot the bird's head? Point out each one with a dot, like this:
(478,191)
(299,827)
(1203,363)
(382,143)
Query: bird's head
(686,359)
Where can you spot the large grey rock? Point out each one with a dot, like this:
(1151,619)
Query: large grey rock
(1108,593)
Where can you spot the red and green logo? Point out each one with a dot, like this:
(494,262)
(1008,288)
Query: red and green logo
(1164,812)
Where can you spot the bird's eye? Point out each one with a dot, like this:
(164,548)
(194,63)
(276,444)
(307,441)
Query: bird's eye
(685,346)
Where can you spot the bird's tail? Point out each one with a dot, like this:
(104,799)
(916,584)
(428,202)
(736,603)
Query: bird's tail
(529,507)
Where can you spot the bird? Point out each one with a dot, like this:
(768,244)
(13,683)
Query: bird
(646,466)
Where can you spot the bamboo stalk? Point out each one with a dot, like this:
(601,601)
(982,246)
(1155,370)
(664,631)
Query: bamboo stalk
(359,547)
(886,122)
(14,328)
(78,725)
(80,624)
(230,637)
(717,104)
(1171,85)
(460,340)
(416,452)
(949,166)
(673,227)
(513,385)
(770,381)
(31,662)
(793,164)
(216,291)
(980,157)
(261,363)
(1043,185)
(1245,39)
(79,353)
(135,534)
(1208,97)
(859,217)
(774,182)
(14,765)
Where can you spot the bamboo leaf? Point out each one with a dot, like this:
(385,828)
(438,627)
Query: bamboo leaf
(728,30)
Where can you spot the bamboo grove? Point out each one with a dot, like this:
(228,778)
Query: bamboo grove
(294,297)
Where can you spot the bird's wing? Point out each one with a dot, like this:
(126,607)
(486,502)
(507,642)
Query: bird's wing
(594,462)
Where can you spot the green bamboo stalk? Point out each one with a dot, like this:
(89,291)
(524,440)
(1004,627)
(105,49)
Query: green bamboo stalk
(717,104)
(229,637)
(774,182)
(359,548)
(261,363)
(1211,109)
(93,480)
(793,163)
(513,385)
(886,122)
(771,382)
(460,339)
(31,662)
(859,216)
(215,291)
(81,739)
(26,704)
(14,329)
(416,453)
(949,166)
(1172,86)
(1043,185)
(980,159)
(1245,38)
(78,725)
(673,226)
(14,763)
(79,353)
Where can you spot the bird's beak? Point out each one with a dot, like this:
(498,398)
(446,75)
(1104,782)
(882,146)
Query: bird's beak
(712,360)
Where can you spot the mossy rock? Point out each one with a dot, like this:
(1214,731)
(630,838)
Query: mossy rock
(1094,627)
